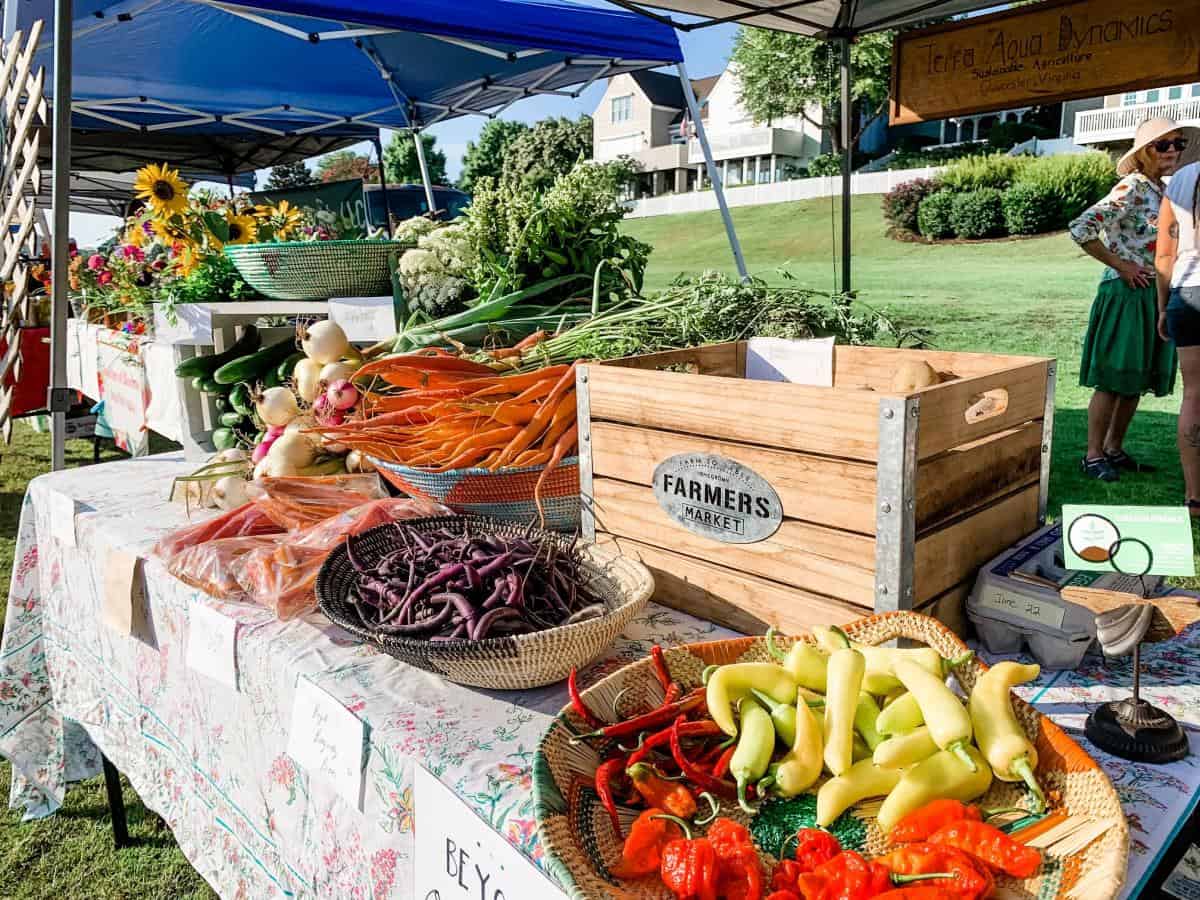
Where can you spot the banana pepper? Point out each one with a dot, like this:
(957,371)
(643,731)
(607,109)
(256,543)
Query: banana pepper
(783,717)
(841,700)
(755,745)
(801,767)
(1003,743)
(732,683)
(803,660)
(901,715)
(863,779)
(880,677)
(948,720)
(866,713)
(905,750)
(942,775)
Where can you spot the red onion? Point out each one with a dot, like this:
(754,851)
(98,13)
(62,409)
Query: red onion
(342,395)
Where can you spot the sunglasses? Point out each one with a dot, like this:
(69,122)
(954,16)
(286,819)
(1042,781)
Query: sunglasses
(1178,144)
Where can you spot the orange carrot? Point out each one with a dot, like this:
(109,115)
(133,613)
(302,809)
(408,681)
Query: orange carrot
(568,440)
(539,422)
(514,384)
(536,338)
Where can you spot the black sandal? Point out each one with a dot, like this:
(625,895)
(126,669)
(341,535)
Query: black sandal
(1122,460)
(1100,469)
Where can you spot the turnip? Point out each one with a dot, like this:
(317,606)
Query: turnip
(342,395)
(324,342)
(276,406)
(337,371)
(230,491)
(291,452)
(306,378)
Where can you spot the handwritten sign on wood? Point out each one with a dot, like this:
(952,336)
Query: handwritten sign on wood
(1044,54)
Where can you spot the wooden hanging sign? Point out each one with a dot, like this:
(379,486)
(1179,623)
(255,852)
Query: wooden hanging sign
(1055,51)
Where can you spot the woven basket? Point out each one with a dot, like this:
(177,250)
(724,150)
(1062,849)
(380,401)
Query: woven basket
(580,844)
(509,663)
(506,495)
(317,270)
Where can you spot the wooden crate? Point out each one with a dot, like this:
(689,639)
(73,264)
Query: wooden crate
(889,500)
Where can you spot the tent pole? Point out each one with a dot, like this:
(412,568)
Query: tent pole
(229,181)
(387,206)
(847,159)
(718,187)
(424,172)
(59,397)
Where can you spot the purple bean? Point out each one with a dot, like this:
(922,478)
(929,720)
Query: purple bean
(430,623)
(484,625)
(486,571)
(497,596)
(446,573)
(460,631)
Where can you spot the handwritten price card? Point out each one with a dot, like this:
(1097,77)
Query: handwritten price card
(212,645)
(458,855)
(62,518)
(327,740)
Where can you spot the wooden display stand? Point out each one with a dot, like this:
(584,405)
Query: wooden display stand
(890,501)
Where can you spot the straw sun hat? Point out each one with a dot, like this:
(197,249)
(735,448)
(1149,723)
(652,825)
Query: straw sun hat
(1149,132)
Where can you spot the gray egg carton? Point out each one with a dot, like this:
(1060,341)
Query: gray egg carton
(1016,602)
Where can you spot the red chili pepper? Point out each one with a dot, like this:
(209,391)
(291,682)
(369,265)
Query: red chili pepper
(922,892)
(605,773)
(721,767)
(969,879)
(848,876)
(783,895)
(919,824)
(661,671)
(991,845)
(578,705)
(689,869)
(703,728)
(673,692)
(642,853)
(739,871)
(671,796)
(694,773)
(814,848)
(652,719)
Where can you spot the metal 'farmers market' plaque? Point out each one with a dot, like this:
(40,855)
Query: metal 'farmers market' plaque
(717,497)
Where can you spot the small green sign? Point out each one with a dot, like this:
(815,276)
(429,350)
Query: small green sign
(1134,540)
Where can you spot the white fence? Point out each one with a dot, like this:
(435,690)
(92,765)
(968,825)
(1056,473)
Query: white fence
(778,192)
(1118,123)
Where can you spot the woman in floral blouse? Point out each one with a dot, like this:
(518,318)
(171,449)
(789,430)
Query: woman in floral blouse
(1123,355)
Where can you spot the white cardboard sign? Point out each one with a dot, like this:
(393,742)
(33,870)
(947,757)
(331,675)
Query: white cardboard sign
(364,318)
(326,739)
(796,362)
(212,644)
(458,855)
(62,518)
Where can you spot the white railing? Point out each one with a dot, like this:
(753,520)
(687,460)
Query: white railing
(762,140)
(1118,123)
(778,192)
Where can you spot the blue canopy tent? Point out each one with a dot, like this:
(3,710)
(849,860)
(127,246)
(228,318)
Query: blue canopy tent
(251,84)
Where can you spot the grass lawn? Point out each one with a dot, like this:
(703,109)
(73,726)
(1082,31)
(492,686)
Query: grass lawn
(1016,297)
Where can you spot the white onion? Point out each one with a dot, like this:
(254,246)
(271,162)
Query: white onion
(233,454)
(261,469)
(356,461)
(302,423)
(306,378)
(291,452)
(324,342)
(277,406)
(337,371)
(230,491)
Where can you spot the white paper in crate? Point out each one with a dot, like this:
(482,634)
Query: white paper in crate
(795,362)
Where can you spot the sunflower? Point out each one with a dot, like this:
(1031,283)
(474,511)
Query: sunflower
(186,261)
(135,236)
(283,218)
(162,188)
(172,231)
(242,229)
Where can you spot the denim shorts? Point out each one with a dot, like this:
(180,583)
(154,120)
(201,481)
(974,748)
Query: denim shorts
(1183,321)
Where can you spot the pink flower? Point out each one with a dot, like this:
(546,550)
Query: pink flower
(131,252)
(105,277)
(282,772)
(95,262)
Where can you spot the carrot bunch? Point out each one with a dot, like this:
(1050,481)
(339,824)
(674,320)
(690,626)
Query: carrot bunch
(438,412)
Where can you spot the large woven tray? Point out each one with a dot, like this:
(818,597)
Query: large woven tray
(578,838)
(317,270)
(513,662)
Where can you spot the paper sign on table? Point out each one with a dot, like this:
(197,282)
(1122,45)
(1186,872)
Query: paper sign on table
(364,318)
(212,644)
(327,740)
(62,518)
(191,324)
(796,362)
(458,855)
(124,591)
(1133,540)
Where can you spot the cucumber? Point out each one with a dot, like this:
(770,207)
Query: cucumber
(255,366)
(232,419)
(248,343)
(288,366)
(198,382)
(208,386)
(221,402)
(239,399)
(272,379)
(224,439)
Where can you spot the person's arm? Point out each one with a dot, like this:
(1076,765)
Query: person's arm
(1164,261)
(1095,221)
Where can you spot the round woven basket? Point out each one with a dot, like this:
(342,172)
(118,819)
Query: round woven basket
(509,663)
(316,270)
(506,494)
(579,840)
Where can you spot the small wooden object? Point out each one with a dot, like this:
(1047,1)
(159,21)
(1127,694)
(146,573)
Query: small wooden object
(890,500)
(1171,614)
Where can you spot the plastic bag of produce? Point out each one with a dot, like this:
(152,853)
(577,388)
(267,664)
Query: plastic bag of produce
(247,520)
(210,566)
(301,502)
(282,575)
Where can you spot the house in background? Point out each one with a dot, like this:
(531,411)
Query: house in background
(643,115)
(1110,122)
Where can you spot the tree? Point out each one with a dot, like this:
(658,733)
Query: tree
(342,165)
(549,149)
(400,159)
(289,175)
(786,74)
(485,158)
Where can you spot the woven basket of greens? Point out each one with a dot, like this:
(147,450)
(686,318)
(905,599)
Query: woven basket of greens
(317,270)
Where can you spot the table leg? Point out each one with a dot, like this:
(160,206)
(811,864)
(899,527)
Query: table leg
(116,804)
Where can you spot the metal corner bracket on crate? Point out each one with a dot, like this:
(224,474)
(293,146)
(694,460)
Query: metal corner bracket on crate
(1047,440)
(895,510)
(583,414)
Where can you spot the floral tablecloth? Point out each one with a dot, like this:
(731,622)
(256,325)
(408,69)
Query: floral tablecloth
(213,762)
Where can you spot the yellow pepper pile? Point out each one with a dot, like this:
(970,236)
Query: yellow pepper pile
(880,720)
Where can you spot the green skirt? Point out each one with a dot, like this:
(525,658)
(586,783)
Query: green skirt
(1122,352)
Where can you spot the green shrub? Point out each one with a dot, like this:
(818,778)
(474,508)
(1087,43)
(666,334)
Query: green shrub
(825,164)
(933,216)
(975,172)
(1075,181)
(978,214)
(1029,208)
(902,204)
